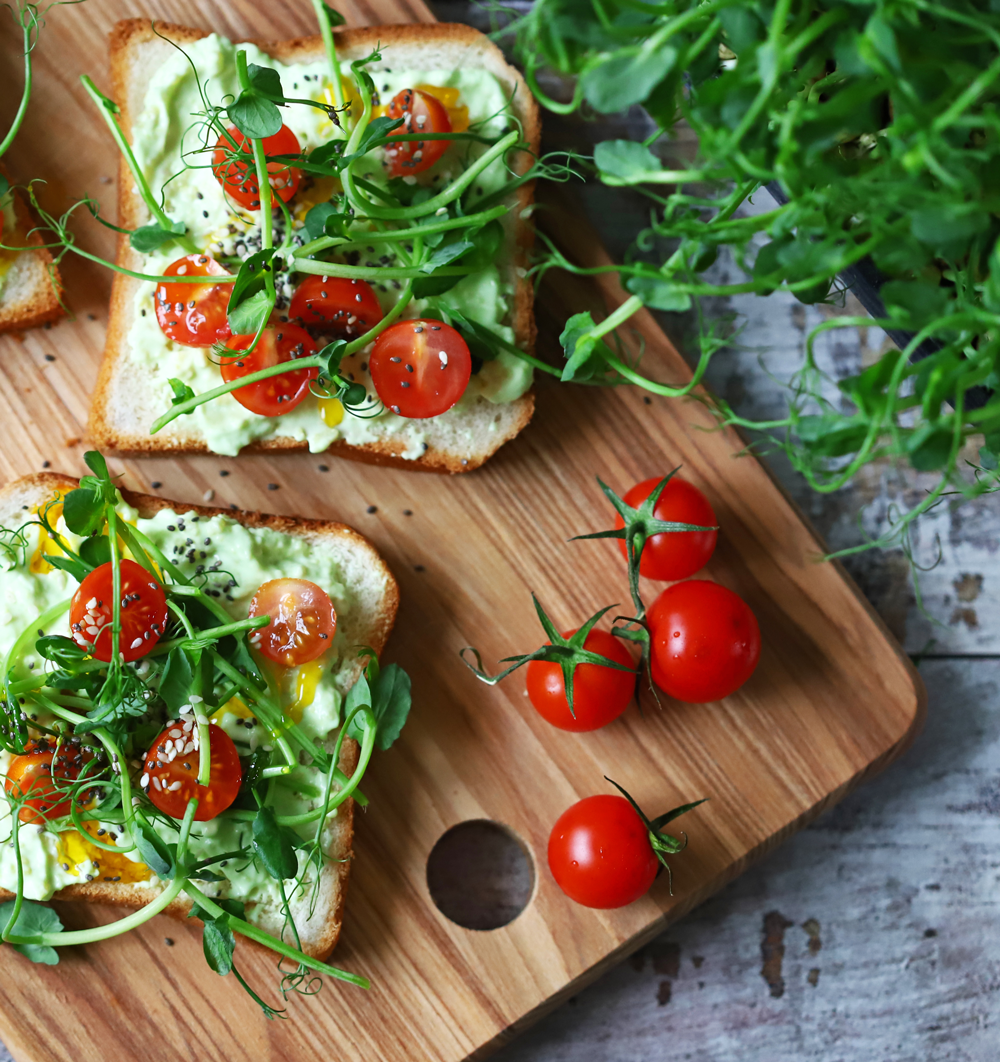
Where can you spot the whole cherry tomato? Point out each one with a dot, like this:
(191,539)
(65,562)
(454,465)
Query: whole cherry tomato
(600,694)
(170,773)
(421,113)
(194,314)
(344,308)
(705,641)
(600,855)
(143,611)
(420,368)
(238,177)
(275,395)
(303,621)
(677,554)
(42,776)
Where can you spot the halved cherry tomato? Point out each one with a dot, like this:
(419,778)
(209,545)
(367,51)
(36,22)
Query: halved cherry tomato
(420,368)
(239,177)
(345,308)
(680,553)
(600,855)
(705,641)
(421,113)
(600,694)
(278,344)
(170,773)
(143,611)
(33,773)
(303,621)
(194,314)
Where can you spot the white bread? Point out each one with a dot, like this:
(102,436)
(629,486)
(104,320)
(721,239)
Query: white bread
(31,287)
(457,442)
(367,621)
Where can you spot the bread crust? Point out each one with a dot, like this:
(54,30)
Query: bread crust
(129,34)
(42,305)
(34,488)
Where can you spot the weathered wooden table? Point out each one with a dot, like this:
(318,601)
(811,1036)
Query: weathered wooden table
(869,935)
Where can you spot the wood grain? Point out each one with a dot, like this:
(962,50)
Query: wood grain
(831,702)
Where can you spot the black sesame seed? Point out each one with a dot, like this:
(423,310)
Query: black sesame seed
(324,468)
(272,486)
(372,509)
(156,484)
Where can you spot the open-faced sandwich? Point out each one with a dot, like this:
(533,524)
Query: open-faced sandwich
(187,712)
(29,280)
(326,245)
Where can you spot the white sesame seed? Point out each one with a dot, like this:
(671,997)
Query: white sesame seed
(157,784)
(443,355)
(137,643)
(173,787)
(208,495)
(92,603)
(175,733)
(144,780)
(195,699)
(202,720)
(440,211)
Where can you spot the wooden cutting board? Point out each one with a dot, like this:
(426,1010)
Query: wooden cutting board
(833,700)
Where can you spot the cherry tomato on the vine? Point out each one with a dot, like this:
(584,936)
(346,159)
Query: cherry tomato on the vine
(344,308)
(705,641)
(600,694)
(170,772)
(420,368)
(42,776)
(303,621)
(275,395)
(678,554)
(421,113)
(600,855)
(238,177)
(194,314)
(143,611)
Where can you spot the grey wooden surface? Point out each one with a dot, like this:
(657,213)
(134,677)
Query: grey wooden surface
(872,935)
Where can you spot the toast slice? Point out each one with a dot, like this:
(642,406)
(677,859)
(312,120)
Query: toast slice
(460,440)
(29,280)
(367,620)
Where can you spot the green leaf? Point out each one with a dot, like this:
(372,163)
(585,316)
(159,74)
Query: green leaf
(181,392)
(274,845)
(659,293)
(32,919)
(335,17)
(254,116)
(160,857)
(391,702)
(218,943)
(177,679)
(76,568)
(60,650)
(324,219)
(265,80)
(251,314)
(627,77)
(4,186)
(929,447)
(96,551)
(249,280)
(626,160)
(585,356)
(151,237)
(446,254)
(83,511)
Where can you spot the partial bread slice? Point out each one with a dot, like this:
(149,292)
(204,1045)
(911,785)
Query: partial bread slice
(121,411)
(31,288)
(368,621)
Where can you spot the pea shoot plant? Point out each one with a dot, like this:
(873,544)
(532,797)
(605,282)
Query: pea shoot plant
(639,525)
(97,719)
(433,237)
(876,122)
